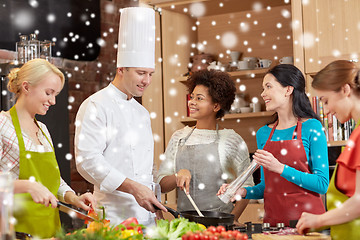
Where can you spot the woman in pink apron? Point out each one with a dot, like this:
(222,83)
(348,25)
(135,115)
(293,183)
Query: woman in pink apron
(292,151)
(199,159)
(26,150)
(338,87)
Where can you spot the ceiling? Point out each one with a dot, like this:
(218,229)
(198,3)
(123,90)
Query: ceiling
(213,7)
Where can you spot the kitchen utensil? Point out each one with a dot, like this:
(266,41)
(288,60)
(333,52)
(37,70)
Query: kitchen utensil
(211,218)
(73,212)
(237,183)
(264,63)
(234,55)
(245,109)
(287,60)
(193,203)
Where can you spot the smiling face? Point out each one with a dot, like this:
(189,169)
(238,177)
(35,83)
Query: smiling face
(336,103)
(135,80)
(41,96)
(201,105)
(274,94)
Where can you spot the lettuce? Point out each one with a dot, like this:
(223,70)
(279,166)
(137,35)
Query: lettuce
(173,230)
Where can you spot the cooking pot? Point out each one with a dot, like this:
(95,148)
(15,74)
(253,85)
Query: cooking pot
(211,218)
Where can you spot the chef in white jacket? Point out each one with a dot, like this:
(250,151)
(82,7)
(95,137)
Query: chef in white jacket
(114,146)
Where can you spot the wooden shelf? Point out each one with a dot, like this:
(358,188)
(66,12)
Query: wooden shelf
(243,74)
(235,116)
(337,143)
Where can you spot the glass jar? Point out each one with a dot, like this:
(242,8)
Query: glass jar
(45,50)
(22,49)
(34,47)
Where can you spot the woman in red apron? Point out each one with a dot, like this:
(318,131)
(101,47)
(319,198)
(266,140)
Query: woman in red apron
(292,151)
(27,151)
(199,158)
(338,87)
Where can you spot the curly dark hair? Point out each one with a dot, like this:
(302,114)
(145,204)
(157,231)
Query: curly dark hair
(220,86)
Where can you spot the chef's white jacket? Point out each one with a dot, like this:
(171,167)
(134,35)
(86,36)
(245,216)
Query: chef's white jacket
(113,141)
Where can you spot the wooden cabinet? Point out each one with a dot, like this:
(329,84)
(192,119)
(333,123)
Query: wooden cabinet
(263,33)
(330,31)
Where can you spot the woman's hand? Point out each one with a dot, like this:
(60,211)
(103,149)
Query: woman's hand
(239,194)
(83,201)
(183,177)
(308,221)
(40,194)
(222,189)
(268,161)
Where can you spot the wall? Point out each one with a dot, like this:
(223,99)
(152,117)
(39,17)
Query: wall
(85,78)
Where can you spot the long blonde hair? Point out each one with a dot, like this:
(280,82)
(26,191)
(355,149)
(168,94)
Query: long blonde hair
(31,72)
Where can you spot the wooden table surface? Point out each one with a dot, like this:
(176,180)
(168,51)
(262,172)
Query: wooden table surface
(311,236)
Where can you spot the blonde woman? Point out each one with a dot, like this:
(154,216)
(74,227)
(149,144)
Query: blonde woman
(338,87)
(26,150)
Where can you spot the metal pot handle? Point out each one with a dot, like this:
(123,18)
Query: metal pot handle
(173,212)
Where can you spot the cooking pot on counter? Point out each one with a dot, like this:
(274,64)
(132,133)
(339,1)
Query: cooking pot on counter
(211,218)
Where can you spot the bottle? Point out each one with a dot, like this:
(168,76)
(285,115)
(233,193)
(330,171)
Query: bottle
(238,182)
(22,49)
(45,50)
(34,47)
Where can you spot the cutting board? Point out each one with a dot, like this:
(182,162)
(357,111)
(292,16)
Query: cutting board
(317,236)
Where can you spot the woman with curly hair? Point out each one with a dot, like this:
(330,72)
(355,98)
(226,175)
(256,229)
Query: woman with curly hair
(292,151)
(200,159)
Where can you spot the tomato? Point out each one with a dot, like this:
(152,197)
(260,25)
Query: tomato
(212,229)
(245,237)
(213,237)
(139,230)
(185,237)
(196,236)
(191,237)
(220,229)
(205,237)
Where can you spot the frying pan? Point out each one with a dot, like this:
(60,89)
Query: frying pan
(211,218)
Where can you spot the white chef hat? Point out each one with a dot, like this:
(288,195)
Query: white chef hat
(136,46)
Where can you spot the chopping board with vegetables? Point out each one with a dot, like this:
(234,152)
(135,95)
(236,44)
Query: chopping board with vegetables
(309,236)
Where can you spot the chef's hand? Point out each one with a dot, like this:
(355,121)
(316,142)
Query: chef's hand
(268,161)
(183,177)
(308,221)
(146,198)
(85,201)
(40,194)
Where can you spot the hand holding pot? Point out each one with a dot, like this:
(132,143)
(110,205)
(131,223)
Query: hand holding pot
(183,178)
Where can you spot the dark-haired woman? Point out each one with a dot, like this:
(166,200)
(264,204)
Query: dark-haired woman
(338,86)
(292,151)
(200,159)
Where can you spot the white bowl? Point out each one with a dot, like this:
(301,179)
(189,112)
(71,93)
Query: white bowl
(245,109)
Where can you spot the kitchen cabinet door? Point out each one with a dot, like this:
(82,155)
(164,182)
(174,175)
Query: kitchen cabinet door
(331,30)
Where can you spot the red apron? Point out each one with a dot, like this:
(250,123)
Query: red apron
(284,200)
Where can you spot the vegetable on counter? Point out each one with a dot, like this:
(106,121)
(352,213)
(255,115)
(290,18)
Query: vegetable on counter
(173,230)
(130,229)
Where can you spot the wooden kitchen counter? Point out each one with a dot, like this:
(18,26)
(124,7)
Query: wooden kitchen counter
(310,236)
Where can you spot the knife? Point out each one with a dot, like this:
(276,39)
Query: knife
(73,213)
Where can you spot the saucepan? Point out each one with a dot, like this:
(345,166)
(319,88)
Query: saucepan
(211,218)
